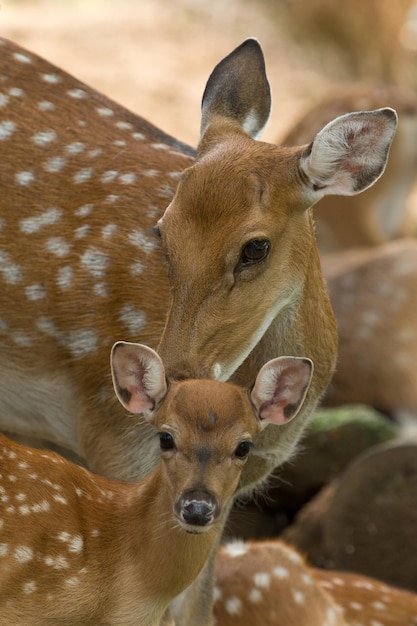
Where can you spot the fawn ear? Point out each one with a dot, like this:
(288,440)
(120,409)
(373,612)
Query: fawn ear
(350,153)
(138,376)
(280,388)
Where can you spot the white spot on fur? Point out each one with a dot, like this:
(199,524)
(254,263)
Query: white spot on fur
(55,164)
(42,138)
(29,587)
(32,225)
(82,342)
(109,230)
(95,261)
(75,148)
(7,128)
(52,79)
(280,572)
(57,246)
(109,176)
(84,210)
(56,562)
(132,318)
(255,596)
(82,231)
(75,544)
(137,238)
(23,58)
(64,277)
(128,179)
(78,94)
(105,111)
(4,549)
(233,605)
(236,548)
(299,597)
(23,554)
(11,272)
(16,92)
(24,178)
(83,175)
(124,125)
(136,268)
(45,105)
(262,579)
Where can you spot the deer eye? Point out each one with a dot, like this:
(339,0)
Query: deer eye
(243,449)
(166,441)
(254,251)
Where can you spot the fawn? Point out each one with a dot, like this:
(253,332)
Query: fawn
(77,548)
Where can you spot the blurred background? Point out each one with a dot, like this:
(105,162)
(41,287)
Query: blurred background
(154,56)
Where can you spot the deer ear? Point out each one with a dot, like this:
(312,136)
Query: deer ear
(280,388)
(138,376)
(350,153)
(238,91)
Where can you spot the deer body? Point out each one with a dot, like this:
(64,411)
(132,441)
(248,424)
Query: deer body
(77,548)
(268,583)
(373,292)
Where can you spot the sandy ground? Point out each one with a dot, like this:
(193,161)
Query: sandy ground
(154,56)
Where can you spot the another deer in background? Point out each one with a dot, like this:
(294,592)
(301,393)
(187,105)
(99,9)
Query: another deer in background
(381,213)
(268,583)
(77,548)
(374,297)
(83,181)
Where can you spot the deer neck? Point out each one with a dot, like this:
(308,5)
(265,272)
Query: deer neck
(160,559)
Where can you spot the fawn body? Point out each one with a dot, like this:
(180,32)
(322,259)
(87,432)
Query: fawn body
(268,583)
(381,213)
(78,548)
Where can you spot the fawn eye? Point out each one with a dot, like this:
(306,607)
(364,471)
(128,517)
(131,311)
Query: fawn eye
(243,449)
(166,441)
(254,251)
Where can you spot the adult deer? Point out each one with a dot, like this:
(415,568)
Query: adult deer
(380,214)
(83,181)
(269,584)
(77,548)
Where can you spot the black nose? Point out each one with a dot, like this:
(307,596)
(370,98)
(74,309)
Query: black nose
(197,508)
(198,512)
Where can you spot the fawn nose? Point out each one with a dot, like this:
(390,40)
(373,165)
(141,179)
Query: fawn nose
(198,508)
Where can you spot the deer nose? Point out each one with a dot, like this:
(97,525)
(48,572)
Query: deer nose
(198,509)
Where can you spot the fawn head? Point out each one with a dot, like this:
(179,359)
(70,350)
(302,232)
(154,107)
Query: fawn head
(238,235)
(206,429)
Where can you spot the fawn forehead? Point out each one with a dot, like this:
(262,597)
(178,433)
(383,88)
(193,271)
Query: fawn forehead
(209,407)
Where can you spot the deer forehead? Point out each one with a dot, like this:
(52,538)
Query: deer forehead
(208,407)
(229,181)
